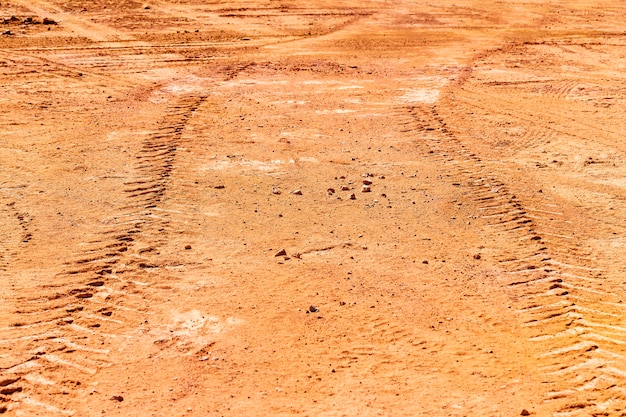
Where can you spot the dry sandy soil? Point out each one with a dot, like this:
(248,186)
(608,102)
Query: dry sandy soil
(157,158)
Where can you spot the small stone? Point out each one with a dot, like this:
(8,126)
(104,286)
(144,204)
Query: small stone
(345,188)
(352,196)
(313,309)
(276,191)
(425,262)
(477,256)
(342,303)
(48,21)
(219,187)
(366,189)
(281,252)
(297,255)
(367,182)
(381,177)
(331,191)
(96,284)
(297,192)
(524,413)
(187,247)
(118,398)
(204,358)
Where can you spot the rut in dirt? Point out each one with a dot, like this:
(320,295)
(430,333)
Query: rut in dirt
(60,339)
(570,305)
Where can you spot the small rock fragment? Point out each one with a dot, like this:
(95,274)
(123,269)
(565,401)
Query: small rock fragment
(425,262)
(96,284)
(524,413)
(313,309)
(342,303)
(297,255)
(117,398)
(297,192)
(345,188)
(367,182)
(219,187)
(187,247)
(204,358)
(366,189)
(281,252)
(48,21)
(477,256)
(276,191)
(352,196)
(331,191)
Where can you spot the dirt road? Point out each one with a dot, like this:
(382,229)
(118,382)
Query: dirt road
(374,208)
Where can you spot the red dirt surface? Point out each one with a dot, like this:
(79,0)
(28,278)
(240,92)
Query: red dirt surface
(373,208)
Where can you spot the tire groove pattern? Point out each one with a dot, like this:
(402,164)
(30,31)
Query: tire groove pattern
(571,308)
(70,329)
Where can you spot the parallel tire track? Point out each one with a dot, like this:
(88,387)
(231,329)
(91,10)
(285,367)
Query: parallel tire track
(570,308)
(71,330)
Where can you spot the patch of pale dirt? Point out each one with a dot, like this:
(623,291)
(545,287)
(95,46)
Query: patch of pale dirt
(334,209)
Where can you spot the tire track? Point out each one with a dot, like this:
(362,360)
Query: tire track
(571,308)
(64,336)
(14,232)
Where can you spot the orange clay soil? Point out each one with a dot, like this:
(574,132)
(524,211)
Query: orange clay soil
(326,208)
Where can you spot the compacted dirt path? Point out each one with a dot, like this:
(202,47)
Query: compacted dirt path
(335,208)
